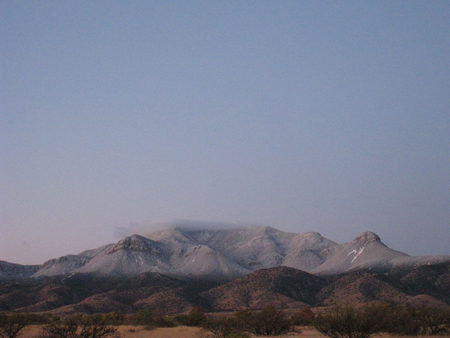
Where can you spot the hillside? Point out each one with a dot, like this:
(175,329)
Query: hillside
(286,288)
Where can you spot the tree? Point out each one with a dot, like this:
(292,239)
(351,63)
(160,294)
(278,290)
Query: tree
(303,317)
(271,322)
(195,317)
(219,328)
(114,318)
(347,322)
(434,321)
(78,326)
(12,325)
(244,320)
(144,317)
(162,320)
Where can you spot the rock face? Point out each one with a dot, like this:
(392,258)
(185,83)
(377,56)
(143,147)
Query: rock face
(225,255)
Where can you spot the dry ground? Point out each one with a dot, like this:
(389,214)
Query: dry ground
(191,332)
(175,332)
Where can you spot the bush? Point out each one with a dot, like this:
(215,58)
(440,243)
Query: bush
(143,317)
(401,320)
(219,328)
(271,322)
(244,320)
(303,317)
(406,320)
(347,322)
(268,322)
(114,318)
(161,320)
(434,321)
(12,325)
(78,326)
(195,317)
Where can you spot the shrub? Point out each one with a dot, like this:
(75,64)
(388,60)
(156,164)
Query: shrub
(268,322)
(78,326)
(401,320)
(303,317)
(271,322)
(12,325)
(434,321)
(195,317)
(114,318)
(244,320)
(219,328)
(347,322)
(143,317)
(161,320)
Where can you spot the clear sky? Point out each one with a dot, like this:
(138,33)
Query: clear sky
(326,116)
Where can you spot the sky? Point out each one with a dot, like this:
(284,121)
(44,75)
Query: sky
(324,116)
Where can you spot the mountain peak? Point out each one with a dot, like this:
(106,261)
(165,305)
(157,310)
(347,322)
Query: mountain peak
(226,253)
(135,243)
(367,237)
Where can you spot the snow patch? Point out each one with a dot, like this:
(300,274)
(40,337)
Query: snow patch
(356,252)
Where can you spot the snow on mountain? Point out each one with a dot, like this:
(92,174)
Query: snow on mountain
(62,265)
(369,252)
(256,247)
(226,254)
(130,256)
(365,251)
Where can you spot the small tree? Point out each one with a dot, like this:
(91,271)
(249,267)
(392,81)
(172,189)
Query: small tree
(220,328)
(401,320)
(114,318)
(144,317)
(244,320)
(12,325)
(79,327)
(303,317)
(162,320)
(271,322)
(434,321)
(195,317)
(347,322)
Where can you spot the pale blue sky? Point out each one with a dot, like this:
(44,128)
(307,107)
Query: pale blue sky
(328,116)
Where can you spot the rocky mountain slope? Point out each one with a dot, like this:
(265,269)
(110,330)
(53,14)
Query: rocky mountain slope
(224,255)
(284,287)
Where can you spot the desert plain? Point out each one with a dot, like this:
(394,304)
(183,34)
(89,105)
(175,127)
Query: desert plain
(129,331)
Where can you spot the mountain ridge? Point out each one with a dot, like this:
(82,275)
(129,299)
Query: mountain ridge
(224,254)
(283,287)
(178,269)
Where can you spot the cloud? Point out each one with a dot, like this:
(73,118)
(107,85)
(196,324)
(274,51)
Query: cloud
(121,232)
(145,228)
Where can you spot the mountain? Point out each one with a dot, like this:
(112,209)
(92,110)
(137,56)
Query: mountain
(367,251)
(178,268)
(281,286)
(284,287)
(224,255)
(288,288)
(73,293)
(11,270)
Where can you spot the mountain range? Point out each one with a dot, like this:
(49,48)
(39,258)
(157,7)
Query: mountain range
(224,255)
(222,270)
